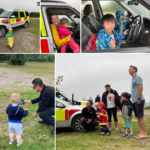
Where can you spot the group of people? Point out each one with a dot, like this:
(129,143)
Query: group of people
(109,37)
(62,36)
(109,104)
(46,110)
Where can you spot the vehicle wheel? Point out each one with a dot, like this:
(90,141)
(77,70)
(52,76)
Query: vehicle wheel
(77,124)
(26,24)
(2,31)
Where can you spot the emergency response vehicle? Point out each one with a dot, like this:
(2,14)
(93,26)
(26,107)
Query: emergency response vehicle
(68,115)
(69,100)
(13,18)
(61,9)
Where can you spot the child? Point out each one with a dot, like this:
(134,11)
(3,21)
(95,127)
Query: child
(103,119)
(10,38)
(107,37)
(63,32)
(15,114)
(97,113)
(121,23)
(127,114)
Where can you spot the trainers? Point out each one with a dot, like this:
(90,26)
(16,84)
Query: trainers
(125,135)
(130,136)
(11,142)
(21,142)
(102,133)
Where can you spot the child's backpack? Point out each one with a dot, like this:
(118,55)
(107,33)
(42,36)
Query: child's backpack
(91,45)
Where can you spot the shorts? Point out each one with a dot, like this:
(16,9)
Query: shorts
(139,109)
(127,123)
(15,128)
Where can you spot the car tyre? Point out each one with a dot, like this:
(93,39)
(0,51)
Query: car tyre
(3,31)
(25,25)
(77,124)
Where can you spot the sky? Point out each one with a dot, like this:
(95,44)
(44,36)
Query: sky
(73,3)
(86,75)
(29,5)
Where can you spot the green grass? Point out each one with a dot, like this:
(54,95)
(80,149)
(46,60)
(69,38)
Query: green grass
(34,27)
(70,140)
(36,68)
(35,136)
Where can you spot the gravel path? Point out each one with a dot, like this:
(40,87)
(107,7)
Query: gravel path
(13,79)
(24,42)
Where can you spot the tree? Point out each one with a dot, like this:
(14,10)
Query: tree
(1,10)
(38,3)
(17,59)
(58,81)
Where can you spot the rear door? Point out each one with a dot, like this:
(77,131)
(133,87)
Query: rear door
(22,17)
(27,15)
(14,20)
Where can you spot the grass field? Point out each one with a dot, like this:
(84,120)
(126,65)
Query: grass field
(35,136)
(34,27)
(69,140)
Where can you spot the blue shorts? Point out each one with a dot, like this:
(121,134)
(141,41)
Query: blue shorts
(127,123)
(15,128)
(139,109)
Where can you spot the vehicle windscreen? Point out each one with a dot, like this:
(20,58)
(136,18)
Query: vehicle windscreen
(6,14)
(139,9)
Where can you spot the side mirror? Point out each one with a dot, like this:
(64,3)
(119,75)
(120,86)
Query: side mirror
(13,16)
(126,13)
(59,105)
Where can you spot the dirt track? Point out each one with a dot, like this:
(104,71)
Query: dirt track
(24,42)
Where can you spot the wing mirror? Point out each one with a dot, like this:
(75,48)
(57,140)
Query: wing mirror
(133,2)
(59,105)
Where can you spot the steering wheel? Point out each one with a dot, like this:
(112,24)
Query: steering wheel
(135,28)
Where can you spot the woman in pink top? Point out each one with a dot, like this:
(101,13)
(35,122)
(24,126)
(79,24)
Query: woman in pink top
(63,32)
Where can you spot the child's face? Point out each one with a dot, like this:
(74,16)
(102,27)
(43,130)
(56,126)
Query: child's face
(96,106)
(121,17)
(99,107)
(109,26)
(10,31)
(65,24)
(123,98)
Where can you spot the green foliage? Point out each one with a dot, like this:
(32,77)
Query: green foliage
(147,107)
(38,3)
(1,10)
(34,14)
(17,59)
(59,79)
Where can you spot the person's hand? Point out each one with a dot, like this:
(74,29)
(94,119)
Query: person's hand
(69,35)
(89,120)
(128,117)
(27,102)
(71,32)
(82,118)
(113,44)
(123,21)
(126,32)
(26,109)
(130,19)
(139,101)
(35,114)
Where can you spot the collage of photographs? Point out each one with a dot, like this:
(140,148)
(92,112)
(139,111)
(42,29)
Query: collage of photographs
(95,99)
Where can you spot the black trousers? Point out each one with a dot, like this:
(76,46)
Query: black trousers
(111,111)
(88,126)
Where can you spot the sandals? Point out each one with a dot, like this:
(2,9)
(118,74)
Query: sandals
(141,138)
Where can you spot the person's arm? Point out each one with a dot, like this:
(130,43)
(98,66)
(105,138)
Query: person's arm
(140,90)
(93,115)
(64,31)
(35,100)
(100,43)
(59,42)
(24,113)
(129,109)
(9,34)
(83,113)
(116,94)
(120,36)
(103,98)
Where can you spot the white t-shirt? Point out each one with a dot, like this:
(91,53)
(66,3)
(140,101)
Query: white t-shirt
(110,100)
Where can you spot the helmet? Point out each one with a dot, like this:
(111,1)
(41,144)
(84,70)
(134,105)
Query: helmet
(10,29)
(101,104)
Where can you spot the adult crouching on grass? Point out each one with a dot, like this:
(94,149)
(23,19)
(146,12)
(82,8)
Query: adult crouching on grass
(138,101)
(46,102)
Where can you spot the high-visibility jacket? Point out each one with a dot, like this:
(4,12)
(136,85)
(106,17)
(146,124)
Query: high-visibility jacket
(10,39)
(59,42)
(102,117)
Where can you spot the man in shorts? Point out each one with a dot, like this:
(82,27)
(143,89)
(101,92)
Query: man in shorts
(138,101)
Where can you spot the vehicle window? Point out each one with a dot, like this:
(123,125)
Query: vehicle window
(22,14)
(6,14)
(83,4)
(71,23)
(139,9)
(15,13)
(113,7)
(27,14)
(60,96)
